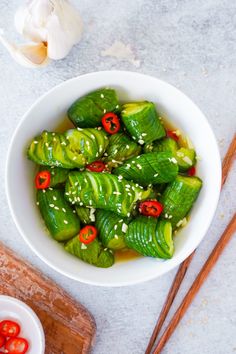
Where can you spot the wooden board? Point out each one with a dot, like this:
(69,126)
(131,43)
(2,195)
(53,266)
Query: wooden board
(69,328)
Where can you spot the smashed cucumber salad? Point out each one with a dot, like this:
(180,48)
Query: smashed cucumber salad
(118,181)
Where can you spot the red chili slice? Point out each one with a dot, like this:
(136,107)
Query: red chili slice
(111,123)
(17,345)
(88,234)
(150,208)
(172,134)
(191,171)
(2,341)
(96,166)
(42,180)
(9,328)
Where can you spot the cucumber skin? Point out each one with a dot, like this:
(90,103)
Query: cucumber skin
(144,122)
(117,149)
(88,110)
(54,219)
(74,148)
(103,191)
(92,253)
(105,223)
(58,174)
(155,168)
(83,214)
(146,236)
(179,197)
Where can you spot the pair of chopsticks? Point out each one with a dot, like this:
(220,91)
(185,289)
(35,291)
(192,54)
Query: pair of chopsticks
(198,282)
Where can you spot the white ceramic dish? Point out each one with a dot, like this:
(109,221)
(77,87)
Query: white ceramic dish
(48,111)
(31,328)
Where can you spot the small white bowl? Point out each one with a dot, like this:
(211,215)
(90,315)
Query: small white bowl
(48,111)
(31,328)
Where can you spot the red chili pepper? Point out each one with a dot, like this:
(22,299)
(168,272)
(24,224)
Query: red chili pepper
(42,180)
(9,328)
(88,234)
(17,345)
(111,123)
(2,341)
(191,171)
(172,134)
(96,166)
(150,208)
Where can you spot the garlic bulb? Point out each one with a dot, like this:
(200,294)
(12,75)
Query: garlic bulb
(53,25)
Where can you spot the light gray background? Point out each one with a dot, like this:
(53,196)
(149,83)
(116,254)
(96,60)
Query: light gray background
(191,44)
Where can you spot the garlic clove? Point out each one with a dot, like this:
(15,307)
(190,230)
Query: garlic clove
(64,29)
(29,55)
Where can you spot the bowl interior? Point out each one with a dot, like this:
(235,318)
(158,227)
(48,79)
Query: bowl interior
(48,111)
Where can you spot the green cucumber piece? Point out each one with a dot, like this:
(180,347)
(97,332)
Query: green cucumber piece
(150,237)
(57,214)
(104,191)
(92,253)
(179,197)
(58,174)
(121,148)
(142,122)
(185,157)
(74,148)
(86,215)
(151,168)
(112,229)
(88,110)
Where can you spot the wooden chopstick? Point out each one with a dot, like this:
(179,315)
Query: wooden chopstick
(227,162)
(198,282)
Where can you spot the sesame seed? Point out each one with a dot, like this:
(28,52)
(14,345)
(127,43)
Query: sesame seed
(44,191)
(117,106)
(51,189)
(81,203)
(144,134)
(105,154)
(63,142)
(116,237)
(49,148)
(56,208)
(139,166)
(87,143)
(120,177)
(130,194)
(156,174)
(102,95)
(74,211)
(127,146)
(141,142)
(97,154)
(124,228)
(121,220)
(187,160)
(37,203)
(64,210)
(79,129)
(128,214)
(117,193)
(65,222)
(133,137)
(99,128)
(83,246)
(138,157)
(104,111)
(36,142)
(115,227)
(74,158)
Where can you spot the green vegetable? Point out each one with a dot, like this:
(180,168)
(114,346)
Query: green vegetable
(86,215)
(57,214)
(179,197)
(58,174)
(150,237)
(92,253)
(112,229)
(88,110)
(149,168)
(72,149)
(142,122)
(185,157)
(121,148)
(104,191)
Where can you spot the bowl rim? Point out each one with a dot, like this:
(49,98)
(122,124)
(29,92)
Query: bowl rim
(27,309)
(80,278)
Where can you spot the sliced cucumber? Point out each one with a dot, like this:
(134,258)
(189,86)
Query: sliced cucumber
(142,122)
(88,110)
(112,229)
(179,197)
(57,214)
(104,191)
(86,215)
(149,168)
(150,237)
(58,174)
(92,253)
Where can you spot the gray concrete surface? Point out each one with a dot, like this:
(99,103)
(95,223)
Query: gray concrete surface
(191,44)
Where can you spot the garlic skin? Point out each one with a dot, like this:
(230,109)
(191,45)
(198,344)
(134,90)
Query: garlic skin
(53,26)
(55,22)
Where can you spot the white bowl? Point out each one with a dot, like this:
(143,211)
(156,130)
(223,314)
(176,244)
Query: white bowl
(48,111)
(31,328)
